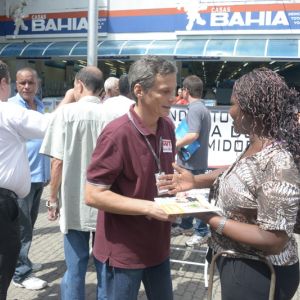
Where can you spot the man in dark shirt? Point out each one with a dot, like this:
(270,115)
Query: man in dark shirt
(132,240)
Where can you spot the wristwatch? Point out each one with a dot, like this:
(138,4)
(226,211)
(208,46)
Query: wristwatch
(51,205)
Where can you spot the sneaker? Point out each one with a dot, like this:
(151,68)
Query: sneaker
(31,283)
(197,240)
(36,267)
(177,230)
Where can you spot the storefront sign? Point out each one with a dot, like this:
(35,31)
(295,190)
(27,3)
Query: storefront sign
(32,17)
(49,17)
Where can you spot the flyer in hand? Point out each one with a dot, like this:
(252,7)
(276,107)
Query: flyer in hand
(186,203)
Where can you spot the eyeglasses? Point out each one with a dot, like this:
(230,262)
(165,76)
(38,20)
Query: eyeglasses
(26,82)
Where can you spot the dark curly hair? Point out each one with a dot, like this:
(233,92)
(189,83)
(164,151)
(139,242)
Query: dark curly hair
(273,107)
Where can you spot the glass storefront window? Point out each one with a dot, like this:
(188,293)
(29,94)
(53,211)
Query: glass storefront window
(250,48)
(288,48)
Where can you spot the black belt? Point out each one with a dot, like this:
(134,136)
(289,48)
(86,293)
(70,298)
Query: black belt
(8,193)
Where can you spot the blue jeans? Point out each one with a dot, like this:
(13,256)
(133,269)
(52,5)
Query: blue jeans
(28,212)
(76,248)
(125,283)
(200,227)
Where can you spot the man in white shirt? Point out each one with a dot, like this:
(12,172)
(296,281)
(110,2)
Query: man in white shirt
(70,139)
(17,125)
(117,106)
(111,88)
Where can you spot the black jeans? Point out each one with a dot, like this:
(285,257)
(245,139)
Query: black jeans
(28,213)
(9,239)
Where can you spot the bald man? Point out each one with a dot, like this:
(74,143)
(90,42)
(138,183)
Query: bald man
(70,140)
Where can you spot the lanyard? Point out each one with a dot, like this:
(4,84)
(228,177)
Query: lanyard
(156,158)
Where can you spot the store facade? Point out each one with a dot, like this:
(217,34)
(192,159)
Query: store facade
(217,40)
(224,35)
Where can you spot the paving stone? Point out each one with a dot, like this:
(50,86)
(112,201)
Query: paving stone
(47,248)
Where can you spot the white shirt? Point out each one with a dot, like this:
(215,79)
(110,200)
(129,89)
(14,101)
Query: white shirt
(71,137)
(115,107)
(17,125)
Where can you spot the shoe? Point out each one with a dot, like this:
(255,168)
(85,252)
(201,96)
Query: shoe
(177,230)
(36,267)
(31,283)
(197,240)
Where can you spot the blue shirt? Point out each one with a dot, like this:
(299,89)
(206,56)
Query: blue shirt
(39,164)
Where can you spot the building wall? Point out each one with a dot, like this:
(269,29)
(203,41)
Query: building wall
(66,19)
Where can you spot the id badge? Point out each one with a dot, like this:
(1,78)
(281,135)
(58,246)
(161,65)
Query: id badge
(160,191)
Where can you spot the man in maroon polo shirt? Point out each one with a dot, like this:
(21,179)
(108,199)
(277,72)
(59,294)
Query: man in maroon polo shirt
(133,234)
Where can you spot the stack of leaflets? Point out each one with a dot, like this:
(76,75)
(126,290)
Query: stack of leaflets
(185,203)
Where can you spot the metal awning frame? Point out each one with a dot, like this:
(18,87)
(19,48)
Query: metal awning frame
(182,49)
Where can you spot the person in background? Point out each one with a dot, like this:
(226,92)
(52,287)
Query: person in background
(17,125)
(124,87)
(259,195)
(70,141)
(102,94)
(116,106)
(133,234)
(199,123)
(111,88)
(27,84)
(179,99)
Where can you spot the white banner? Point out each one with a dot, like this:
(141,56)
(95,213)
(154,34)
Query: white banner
(224,144)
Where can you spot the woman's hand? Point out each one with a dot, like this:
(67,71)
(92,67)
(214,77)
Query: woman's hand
(181,180)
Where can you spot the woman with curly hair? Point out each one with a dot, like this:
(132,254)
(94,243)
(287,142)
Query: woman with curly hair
(259,195)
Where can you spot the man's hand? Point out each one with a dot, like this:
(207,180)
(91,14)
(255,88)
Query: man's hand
(181,180)
(155,212)
(53,213)
(69,98)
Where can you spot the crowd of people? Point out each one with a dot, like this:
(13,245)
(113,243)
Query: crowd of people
(110,157)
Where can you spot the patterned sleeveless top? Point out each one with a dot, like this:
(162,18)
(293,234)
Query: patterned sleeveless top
(263,189)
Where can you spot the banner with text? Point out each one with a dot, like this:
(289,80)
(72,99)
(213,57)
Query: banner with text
(45,17)
(224,144)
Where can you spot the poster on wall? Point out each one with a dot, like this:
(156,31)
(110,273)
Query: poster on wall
(225,146)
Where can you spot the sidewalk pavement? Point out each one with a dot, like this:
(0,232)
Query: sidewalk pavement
(47,248)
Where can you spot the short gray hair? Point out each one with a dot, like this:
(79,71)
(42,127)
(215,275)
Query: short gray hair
(145,70)
(111,83)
